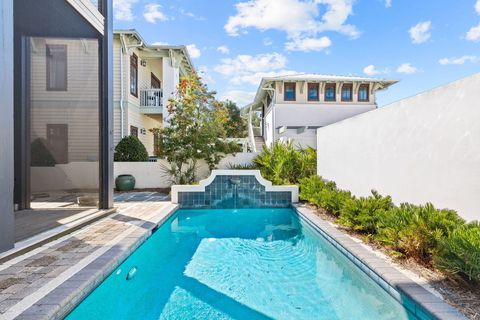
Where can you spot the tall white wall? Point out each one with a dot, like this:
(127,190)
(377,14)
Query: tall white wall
(6,125)
(422,149)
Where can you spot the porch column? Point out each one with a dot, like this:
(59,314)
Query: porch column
(7,226)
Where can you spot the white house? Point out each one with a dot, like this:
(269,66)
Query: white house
(145,77)
(293,107)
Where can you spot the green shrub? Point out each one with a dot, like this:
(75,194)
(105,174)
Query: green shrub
(414,231)
(362,214)
(40,155)
(322,193)
(460,252)
(284,164)
(130,149)
(310,186)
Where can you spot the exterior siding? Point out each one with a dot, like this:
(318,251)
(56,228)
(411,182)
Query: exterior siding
(77,107)
(132,113)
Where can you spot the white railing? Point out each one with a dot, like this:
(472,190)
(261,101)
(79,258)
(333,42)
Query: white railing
(151,98)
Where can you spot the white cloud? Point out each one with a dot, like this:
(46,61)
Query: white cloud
(240,97)
(223,50)
(309,44)
(193,51)
(477,6)
(302,20)
(152,13)
(251,69)
(255,78)
(371,70)
(204,73)
(122,9)
(388,3)
(420,32)
(247,63)
(267,42)
(473,34)
(406,68)
(460,60)
(189,14)
(160,43)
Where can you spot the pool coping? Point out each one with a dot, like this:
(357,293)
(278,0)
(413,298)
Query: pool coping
(59,301)
(418,300)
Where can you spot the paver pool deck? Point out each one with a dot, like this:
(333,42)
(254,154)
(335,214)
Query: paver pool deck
(48,282)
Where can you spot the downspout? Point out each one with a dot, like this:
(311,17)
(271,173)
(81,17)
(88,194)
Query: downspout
(124,48)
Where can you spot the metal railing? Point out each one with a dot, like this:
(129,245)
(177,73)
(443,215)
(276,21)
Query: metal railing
(151,98)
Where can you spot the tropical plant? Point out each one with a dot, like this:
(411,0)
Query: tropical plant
(415,231)
(130,149)
(195,131)
(324,194)
(282,163)
(362,214)
(460,252)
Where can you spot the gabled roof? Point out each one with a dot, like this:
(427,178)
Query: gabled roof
(314,77)
(180,50)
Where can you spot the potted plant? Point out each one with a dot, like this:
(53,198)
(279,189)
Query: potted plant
(129,149)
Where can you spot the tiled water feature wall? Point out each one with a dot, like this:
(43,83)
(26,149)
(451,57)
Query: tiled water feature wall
(234,189)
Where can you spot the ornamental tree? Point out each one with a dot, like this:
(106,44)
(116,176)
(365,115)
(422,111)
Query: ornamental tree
(195,131)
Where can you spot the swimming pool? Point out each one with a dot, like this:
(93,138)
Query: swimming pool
(238,264)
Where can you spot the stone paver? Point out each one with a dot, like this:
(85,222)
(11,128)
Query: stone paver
(48,282)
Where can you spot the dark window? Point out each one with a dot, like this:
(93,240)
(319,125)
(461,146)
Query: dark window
(347,92)
(313,92)
(134,131)
(155,83)
(330,92)
(363,92)
(134,75)
(289,94)
(56,67)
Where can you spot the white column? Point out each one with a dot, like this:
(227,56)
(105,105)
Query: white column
(6,125)
(170,81)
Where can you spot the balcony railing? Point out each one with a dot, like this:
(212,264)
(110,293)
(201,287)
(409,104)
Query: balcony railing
(151,98)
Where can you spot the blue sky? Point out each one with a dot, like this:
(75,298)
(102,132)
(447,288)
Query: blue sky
(422,43)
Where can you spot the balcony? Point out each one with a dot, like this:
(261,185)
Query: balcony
(151,101)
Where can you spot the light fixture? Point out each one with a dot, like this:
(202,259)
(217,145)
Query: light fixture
(143,62)
(143,131)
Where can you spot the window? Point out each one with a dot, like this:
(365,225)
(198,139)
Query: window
(330,92)
(289,94)
(313,92)
(134,131)
(134,75)
(363,92)
(347,92)
(56,67)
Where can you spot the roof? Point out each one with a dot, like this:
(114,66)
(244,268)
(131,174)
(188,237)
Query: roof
(314,77)
(182,49)
(323,77)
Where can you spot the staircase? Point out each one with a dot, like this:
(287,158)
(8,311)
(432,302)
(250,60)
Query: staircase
(259,143)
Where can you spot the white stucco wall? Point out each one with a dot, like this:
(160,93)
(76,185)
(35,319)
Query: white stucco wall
(421,149)
(84,175)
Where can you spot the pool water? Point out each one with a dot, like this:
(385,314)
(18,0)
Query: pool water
(238,264)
